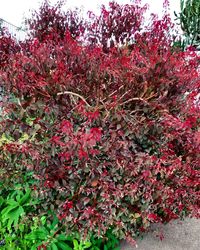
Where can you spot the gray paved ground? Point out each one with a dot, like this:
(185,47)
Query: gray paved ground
(178,235)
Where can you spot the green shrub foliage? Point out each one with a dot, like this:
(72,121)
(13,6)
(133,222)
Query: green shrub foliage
(189,22)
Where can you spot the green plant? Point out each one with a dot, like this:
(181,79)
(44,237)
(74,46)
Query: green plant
(51,235)
(48,235)
(16,205)
(24,226)
(109,242)
(189,21)
(81,245)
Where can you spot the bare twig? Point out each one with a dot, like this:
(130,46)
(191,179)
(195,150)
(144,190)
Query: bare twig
(135,111)
(74,94)
(134,99)
(124,94)
(114,92)
(107,111)
(151,96)
(139,99)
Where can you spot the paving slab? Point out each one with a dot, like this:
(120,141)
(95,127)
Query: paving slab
(178,235)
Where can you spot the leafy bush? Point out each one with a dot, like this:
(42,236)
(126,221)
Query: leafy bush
(23,227)
(108,120)
(189,22)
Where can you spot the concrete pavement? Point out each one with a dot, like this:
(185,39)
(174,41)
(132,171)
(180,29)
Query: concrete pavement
(178,235)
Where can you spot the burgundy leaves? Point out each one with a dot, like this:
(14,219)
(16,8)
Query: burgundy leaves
(106,113)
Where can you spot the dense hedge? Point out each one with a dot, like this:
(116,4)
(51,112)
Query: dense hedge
(104,111)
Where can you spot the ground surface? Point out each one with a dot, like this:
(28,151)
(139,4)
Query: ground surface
(178,235)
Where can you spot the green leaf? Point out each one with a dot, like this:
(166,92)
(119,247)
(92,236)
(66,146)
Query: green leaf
(182,4)
(43,220)
(63,237)
(76,245)
(12,203)
(33,248)
(105,247)
(1,201)
(24,137)
(29,120)
(21,227)
(25,198)
(54,223)
(19,212)
(87,244)
(5,139)
(40,234)
(63,245)
(12,215)
(53,246)
(7,209)
(95,248)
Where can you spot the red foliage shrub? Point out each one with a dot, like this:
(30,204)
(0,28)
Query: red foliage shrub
(110,127)
(7,47)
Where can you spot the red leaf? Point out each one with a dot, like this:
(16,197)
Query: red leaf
(82,154)
(66,127)
(153,217)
